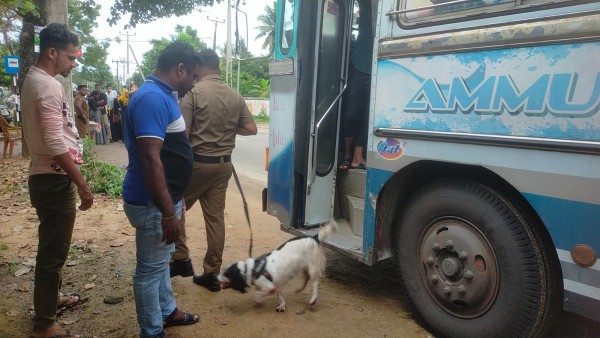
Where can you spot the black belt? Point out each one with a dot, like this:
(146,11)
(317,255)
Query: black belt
(212,159)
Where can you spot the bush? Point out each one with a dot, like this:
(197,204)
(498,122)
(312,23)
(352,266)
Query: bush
(101,176)
(262,117)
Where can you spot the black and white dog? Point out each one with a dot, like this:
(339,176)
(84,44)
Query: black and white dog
(270,272)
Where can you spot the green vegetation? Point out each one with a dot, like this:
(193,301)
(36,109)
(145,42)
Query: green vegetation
(262,117)
(101,176)
(12,268)
(3,246)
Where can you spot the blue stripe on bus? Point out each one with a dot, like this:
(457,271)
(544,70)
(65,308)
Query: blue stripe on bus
(569,222)
(280,185)
(376,179)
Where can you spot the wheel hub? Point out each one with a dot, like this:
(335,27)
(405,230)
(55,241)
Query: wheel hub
(459,267)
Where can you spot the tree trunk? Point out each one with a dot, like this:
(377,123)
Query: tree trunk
(27,55)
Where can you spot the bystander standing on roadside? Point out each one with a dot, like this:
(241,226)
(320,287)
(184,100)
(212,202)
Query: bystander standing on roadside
(102,107)
(54,177)
(82,110)
(214,113)
(119,106)
(111,95)
(160,165)
(96,116)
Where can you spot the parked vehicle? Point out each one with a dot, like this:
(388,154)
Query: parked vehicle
(483,157)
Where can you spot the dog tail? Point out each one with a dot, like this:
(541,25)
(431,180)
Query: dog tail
(327,230)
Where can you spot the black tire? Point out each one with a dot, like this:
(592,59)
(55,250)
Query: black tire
(472,265)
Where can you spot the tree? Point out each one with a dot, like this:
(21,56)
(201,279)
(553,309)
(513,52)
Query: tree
(267,28)
(144,11)
(263,89)
(93,63)
(186,34)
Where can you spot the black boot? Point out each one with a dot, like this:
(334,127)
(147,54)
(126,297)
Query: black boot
(181,268)
(209,281)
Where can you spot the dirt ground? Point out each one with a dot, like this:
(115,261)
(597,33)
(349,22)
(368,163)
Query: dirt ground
(354,300)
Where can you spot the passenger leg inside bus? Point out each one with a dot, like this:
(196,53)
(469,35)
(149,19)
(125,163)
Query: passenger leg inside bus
(345,164)
(358,160)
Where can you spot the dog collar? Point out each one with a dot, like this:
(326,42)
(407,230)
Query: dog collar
(259,269)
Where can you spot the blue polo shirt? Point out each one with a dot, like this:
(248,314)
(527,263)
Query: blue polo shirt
(153,112)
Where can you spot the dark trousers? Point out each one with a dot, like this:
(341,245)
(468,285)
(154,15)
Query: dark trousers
(356,114)
(54,198)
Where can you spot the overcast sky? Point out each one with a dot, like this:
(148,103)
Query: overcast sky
(166,27)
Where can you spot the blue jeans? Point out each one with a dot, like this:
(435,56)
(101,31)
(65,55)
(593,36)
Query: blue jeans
(152,290)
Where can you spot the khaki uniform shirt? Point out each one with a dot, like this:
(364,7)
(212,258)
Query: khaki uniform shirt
(213,111)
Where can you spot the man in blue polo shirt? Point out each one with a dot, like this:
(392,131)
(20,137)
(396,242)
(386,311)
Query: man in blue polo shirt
(160,166)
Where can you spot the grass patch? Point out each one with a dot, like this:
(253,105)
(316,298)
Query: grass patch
(262,117)
(3,246)
(102,177)
(12,268)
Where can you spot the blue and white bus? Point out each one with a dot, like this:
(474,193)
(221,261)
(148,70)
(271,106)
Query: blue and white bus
(483,158)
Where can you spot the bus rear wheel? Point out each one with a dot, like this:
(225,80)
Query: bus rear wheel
(472,265)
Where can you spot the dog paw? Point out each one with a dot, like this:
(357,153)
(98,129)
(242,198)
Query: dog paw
(280,308)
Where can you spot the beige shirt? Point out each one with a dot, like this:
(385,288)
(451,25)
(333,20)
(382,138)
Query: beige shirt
(48,126)
(213,112)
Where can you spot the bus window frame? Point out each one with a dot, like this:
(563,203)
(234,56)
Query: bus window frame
(476,13)
(290,50)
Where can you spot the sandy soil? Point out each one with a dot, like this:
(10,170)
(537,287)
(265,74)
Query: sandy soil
(355,301)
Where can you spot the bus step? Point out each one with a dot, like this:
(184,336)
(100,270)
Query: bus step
(356,211)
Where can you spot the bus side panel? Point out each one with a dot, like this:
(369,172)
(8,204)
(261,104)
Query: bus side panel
(545,93)
(280,183)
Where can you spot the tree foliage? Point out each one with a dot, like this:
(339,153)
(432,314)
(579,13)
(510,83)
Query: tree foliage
(266,30)
(186,34)
(145,11)
(83,15)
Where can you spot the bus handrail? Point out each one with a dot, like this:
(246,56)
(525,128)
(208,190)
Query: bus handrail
(315,135)
(404,11)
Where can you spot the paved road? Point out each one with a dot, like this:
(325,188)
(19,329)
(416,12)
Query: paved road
(248,155)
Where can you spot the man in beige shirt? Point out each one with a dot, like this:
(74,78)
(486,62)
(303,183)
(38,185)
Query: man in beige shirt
(214,113)
(54,176)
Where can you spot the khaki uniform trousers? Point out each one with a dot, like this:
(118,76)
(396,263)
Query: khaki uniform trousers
(208,185)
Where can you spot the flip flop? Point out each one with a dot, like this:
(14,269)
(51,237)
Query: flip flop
(73,299)
(185,319)
(362,165)
(63,334)
(345,165)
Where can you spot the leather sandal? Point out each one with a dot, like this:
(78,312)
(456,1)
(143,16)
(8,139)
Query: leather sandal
(184,319)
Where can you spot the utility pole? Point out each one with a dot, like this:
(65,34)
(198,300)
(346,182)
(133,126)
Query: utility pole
(228,64)
(216,21)
(117,61)
(127,61)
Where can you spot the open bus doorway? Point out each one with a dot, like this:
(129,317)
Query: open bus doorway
(354,122)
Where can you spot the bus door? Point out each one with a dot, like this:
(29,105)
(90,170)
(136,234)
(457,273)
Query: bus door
(307,81)
(325,89)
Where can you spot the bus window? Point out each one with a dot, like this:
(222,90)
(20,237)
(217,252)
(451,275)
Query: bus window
(435,10)
(287,26)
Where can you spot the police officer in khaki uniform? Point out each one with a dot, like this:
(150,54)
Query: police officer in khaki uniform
(214,113)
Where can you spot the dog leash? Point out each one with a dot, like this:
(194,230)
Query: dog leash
(237,182)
